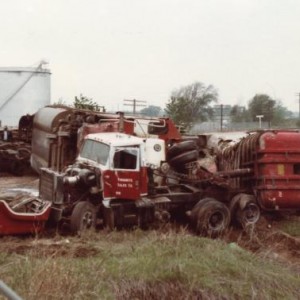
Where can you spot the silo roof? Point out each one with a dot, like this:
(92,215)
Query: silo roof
(24,69)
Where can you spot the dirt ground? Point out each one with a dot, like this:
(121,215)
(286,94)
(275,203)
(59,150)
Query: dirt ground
(266,239)
(17,185)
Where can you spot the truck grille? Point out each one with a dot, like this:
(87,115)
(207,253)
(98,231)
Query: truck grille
(51,186)
(47,185)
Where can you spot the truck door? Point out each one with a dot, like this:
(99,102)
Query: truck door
(124,178)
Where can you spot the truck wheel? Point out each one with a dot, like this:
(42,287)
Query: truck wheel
(210,217)
(180,148)
(249,215)
(83,217)
(244,210)
(202,202)
(184,158)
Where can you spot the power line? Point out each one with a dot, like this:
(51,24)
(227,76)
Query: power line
(135,103)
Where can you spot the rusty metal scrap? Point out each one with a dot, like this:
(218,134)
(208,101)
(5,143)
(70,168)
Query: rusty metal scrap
(15,157)
(239,156)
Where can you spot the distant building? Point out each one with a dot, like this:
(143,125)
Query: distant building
(23,91)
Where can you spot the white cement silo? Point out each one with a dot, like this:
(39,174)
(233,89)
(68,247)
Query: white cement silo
(22,91)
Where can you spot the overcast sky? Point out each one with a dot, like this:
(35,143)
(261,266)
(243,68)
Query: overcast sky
(111,50)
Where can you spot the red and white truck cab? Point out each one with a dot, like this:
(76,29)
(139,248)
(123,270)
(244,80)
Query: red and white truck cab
(123,161)
(110,179)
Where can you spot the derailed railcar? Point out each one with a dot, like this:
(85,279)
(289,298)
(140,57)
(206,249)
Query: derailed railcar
(274,158)
(15,147)
(58,131)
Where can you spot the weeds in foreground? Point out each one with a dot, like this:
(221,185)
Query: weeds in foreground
(291,227)
(138,264)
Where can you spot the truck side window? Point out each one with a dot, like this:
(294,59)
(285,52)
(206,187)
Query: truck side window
(125,159)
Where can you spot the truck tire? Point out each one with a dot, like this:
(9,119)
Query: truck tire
(180,148)
(210,217)
(83,217)
(244,210)
(249,215)
(180,160)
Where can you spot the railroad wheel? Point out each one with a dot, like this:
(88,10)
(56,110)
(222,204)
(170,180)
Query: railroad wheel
(83,217)
(180,148)
(210,217)
(244,210)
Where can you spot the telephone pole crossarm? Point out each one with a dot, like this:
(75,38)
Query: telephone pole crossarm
(298,94)
(135,103)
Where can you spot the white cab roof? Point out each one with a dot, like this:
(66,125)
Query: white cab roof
(115,139)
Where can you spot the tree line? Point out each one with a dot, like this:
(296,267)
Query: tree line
(194,103)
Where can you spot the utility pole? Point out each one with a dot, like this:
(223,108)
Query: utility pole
(269,113)
(259,120)
(299,104)
(134,103)
(221,107)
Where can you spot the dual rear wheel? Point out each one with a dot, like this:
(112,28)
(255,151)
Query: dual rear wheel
(211,217)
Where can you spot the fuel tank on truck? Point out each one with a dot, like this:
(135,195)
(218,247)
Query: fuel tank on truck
(274,157)
(50,124)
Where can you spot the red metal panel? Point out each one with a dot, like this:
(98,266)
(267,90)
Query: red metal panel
(276,173)
(124,184)
(279,198)
(279,141)
(12,222)
(172,133)
(274,157)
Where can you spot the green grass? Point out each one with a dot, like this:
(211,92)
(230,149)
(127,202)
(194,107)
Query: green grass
(291,227)
(139,265)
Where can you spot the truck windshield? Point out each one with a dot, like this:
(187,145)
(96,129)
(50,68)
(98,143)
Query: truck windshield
(95,151)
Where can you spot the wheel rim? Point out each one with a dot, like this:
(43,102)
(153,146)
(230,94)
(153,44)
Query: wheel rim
(216,221)
(250,214)
(87,220)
